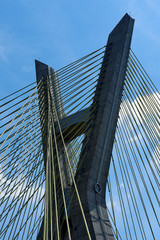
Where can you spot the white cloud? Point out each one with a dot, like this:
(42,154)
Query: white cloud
(122,185)
(11,186)
(136,138)
(115,205)
(154,98)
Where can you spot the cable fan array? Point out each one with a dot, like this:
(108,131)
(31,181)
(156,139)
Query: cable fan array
(22,169)
(34,185)
(41,144)
(133,183)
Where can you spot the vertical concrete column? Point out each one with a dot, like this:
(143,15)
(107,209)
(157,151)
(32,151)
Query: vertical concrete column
(93,171)
(47,80)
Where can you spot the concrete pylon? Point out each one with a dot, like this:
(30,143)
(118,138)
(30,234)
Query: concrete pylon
(93,171)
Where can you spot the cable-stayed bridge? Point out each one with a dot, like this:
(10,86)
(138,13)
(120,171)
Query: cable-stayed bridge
(80,149)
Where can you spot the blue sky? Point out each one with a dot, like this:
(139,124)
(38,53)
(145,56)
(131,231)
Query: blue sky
(61,31)
(58,32)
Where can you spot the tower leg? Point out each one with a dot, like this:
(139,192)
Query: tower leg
(93,172)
